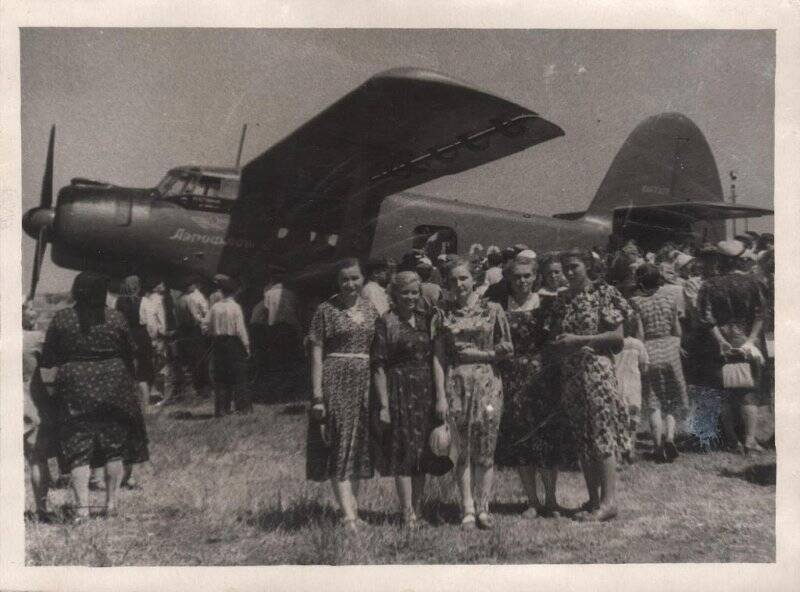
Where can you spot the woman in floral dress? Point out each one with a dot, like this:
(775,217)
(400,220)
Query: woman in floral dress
(586,324)
(472,337)
(402,352)
(100,420)
(338,437)
(530,429)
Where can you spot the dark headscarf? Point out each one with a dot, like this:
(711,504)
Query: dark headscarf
(89,292)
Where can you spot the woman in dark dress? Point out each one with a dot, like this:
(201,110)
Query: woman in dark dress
(339,447)
(731,317)
(100,421)
(128,303)
(402,376)
(586,326)
(530,429)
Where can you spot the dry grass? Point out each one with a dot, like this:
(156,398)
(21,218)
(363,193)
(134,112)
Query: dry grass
(232,492)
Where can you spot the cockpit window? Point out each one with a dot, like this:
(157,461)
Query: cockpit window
(166,184)
(199,185)
(194,191)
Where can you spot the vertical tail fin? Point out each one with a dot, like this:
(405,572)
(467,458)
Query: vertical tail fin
(665,159)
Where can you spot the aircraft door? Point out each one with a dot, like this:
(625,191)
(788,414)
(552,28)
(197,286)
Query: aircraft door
(123,210)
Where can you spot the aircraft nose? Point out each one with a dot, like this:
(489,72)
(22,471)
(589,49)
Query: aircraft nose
(37,218)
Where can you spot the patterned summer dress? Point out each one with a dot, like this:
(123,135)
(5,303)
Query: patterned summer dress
(405,352)
(99,414)
(590,396)
(346,336)
(474,391)
(665,384)
(531,428)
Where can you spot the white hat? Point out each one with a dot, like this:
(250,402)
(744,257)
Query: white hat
(440,440)
(731,248)
(424,262)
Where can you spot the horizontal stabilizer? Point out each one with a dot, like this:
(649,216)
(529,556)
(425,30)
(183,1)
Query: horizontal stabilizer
(683,213)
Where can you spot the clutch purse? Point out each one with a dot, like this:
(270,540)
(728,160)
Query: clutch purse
(737,375)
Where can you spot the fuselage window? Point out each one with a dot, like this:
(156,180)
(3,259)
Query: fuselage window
(333,239)
(283,232)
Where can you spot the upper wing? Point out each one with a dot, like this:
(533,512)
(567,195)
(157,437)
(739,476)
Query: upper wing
(399,129)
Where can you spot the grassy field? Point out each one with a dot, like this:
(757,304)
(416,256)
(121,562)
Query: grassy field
(232,492)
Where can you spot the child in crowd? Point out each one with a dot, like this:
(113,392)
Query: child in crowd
(630,367)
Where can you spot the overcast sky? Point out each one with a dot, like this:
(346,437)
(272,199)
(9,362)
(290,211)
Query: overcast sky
(131,103)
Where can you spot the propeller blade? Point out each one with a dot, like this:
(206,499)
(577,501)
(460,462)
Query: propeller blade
(38,258)
(46,200)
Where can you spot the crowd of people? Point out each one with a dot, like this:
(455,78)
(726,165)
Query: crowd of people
(429,365)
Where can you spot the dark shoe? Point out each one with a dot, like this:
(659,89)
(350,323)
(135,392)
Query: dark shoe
(660,456)
(554,512)
(670,451)
(40,516)
(96,486)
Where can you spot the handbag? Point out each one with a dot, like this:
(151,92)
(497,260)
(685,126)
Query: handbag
(737,375)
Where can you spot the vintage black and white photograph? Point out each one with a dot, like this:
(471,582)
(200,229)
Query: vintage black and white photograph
(398,296)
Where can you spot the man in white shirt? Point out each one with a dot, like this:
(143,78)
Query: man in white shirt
(153,316)
(231,347)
